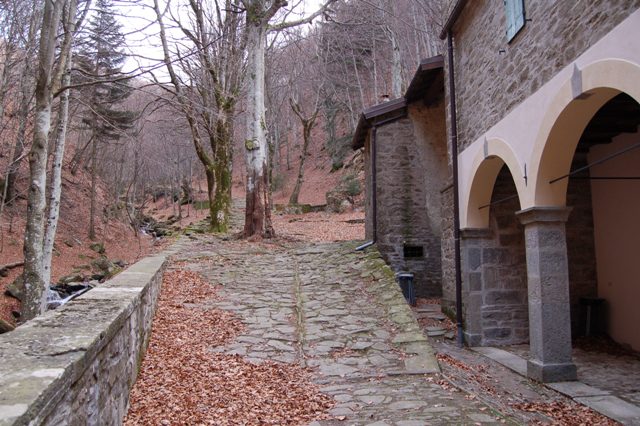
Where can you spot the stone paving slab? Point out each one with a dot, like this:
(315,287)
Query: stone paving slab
(614,407)
(626,410)
(577,389)
(509,360)
(340,313)
(402,401)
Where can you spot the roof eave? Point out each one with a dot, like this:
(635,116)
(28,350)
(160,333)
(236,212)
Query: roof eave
(432,63)
(453,17)
(360,134)
(396,108)
(393,108)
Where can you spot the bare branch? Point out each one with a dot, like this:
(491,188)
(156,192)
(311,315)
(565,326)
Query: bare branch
(307,20)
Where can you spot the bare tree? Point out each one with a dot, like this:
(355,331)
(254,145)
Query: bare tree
(214,68)
(307,87)
(48,79)
(55,185)
(308,122)
(259,14)
(27,45)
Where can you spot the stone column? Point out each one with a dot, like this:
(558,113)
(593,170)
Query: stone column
(472,243)
(548,292)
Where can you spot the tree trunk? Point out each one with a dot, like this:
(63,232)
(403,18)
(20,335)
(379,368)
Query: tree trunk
(26,93)
(35,296)
(296,189)
(308,124)
(55,187)
(276,147)
(210,174)
(376,92)
(220,204)
(78,156)
(396,65)
(287,145)
(179,195)
(92,196)
(258,209)
(18,147)
(9,50)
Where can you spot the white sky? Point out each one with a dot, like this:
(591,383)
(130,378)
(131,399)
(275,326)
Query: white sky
(143,43)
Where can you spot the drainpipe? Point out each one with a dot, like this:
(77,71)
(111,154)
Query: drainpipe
(374,190)
(374,181)
(456,202)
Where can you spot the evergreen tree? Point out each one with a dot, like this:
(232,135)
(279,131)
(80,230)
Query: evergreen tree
(100,62)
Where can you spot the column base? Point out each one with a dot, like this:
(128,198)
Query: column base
(472,339)
(549,373)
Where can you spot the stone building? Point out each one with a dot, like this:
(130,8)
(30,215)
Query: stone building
(405,154)
(546,119)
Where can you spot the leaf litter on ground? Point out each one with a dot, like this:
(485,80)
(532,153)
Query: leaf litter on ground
(481,381)
(182,382)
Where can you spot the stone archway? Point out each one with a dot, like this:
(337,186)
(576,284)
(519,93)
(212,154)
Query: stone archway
(562,126)
(487,164)
(602,230)
(493,255)
(550,265)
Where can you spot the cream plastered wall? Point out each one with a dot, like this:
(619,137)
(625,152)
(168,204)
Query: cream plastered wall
(537,139)
(616,210)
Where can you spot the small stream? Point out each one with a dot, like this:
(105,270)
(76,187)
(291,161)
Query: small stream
(60,295)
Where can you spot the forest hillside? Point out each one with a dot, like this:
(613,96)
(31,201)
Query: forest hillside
(122,121)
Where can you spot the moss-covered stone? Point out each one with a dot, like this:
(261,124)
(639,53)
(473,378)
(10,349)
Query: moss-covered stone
(16,288)
(251,144)
(98,248)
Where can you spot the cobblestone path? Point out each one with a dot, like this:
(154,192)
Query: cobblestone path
(340,313)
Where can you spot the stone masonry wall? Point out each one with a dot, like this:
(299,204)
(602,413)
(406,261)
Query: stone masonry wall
(493,76)
(368,191)
(77,364)
(583,281)
(495,275)
(448,252)
(410,155)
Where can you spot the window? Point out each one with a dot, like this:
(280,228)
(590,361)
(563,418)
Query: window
(413,251)
(515,17)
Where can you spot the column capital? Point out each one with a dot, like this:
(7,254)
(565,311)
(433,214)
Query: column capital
(543,214)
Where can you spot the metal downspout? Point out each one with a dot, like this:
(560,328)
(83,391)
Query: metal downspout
(456,202)
(374,181)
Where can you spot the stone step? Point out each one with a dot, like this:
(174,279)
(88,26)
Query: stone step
(428,309)
(435,331)
(438,317)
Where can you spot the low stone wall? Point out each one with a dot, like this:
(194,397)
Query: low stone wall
(77,364)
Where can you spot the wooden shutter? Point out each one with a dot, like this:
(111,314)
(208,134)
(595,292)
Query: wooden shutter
(514,10)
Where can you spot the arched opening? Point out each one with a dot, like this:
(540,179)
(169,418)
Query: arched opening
(603,231)
(495,262)
(591,164)
(505,264)
(567,117)
(486,166)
